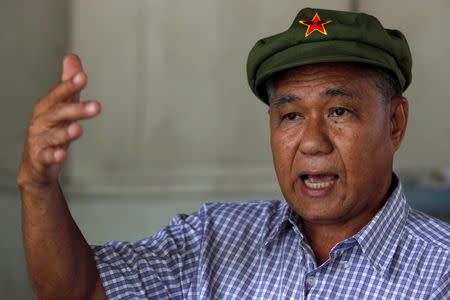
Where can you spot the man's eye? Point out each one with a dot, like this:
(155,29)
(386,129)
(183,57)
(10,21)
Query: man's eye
(338,112)
(291,116)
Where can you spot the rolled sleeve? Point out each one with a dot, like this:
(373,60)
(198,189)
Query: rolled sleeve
(162,266)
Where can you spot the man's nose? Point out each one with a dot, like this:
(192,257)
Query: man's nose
(315,138)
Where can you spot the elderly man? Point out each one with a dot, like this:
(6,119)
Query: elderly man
(333,83)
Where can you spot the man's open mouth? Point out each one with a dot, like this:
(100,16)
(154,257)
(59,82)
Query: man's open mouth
(319,181)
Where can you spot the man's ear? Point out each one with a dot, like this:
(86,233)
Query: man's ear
(398,119)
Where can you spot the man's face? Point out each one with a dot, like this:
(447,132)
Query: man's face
(331,142)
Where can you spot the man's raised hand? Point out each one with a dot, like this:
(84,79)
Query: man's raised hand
(54,125)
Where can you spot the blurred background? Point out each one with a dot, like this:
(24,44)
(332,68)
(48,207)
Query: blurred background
(179,125)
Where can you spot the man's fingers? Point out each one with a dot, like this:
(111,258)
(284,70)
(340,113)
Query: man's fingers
(54,126)
(71,66)
(69,112)
(52,159)
(60,136)
(64,90)
(51,155)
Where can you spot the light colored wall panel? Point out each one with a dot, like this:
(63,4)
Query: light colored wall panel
(103,34)
(171,77)
(32,39)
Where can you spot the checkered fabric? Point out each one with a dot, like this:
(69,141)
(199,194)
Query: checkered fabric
(256,250)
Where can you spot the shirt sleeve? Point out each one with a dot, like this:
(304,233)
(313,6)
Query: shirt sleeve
(162,266)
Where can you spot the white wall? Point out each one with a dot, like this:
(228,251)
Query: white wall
(33,41)
(177,109)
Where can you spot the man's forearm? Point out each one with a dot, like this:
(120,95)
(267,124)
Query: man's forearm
(60,261)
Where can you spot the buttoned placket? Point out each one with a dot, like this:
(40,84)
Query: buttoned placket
(313,272)
(310,278)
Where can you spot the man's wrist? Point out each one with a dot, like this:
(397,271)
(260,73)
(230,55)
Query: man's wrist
(32,188)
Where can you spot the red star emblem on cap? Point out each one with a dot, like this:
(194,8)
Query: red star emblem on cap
(315,24)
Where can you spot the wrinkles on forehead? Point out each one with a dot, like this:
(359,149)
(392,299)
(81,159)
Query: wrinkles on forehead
(331,92)
(339,92)
(333,80)
(315,71)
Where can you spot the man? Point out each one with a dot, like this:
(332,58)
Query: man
(333,83)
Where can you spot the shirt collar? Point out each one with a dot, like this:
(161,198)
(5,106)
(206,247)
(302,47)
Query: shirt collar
(284,218)
(378,239)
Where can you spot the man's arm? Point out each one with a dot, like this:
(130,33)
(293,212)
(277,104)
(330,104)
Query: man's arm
(60,262)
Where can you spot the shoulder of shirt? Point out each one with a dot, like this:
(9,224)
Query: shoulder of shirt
(214,210)
(429,230)
(253,213)
(253,206)
(241,204)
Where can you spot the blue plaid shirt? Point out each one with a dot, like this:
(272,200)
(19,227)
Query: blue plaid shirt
(256,250)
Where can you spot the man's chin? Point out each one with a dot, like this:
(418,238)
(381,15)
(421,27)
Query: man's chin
(323,206)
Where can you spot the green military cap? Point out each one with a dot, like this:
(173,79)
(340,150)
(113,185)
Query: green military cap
(319,35)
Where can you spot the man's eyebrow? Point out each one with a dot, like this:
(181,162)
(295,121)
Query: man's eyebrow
(285,99)
(330,92)
(339,92)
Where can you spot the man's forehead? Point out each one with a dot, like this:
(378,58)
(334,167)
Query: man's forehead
(347,80)
(323,75)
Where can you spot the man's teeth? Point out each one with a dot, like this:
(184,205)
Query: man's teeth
(318,185)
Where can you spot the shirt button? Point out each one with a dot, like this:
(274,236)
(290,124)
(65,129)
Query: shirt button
(345,264)
(310,281)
